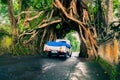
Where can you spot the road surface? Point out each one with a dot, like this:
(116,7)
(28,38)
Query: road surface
(37,68)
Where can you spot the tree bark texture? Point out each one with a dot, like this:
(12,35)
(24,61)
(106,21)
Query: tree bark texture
(13,22)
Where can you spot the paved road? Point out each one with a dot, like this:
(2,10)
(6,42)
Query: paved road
(37,68)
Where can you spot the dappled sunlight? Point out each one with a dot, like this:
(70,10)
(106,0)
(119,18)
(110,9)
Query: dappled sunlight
(47,67)
(80,73)
(6,42)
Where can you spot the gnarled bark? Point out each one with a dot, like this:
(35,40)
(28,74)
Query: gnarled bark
(70,16)
(13,23)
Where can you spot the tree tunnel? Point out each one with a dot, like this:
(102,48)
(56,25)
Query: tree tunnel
(66,15)
(65,28)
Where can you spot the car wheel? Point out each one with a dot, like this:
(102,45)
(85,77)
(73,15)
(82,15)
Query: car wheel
(70,55)
(65,55)
(49,54)
(58,55)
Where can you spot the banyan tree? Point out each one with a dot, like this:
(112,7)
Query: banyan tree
(60,19)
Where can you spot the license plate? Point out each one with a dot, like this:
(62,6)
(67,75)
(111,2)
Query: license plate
(54,51)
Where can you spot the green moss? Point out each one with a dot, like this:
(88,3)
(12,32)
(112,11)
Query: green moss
(58,26)
(110,69)
(6,42)
(21,50)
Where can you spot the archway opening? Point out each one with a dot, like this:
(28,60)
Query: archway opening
(74,39)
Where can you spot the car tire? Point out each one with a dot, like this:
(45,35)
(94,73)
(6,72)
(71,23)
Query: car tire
(49,54)
(58,55)
(70,54)
(65,55)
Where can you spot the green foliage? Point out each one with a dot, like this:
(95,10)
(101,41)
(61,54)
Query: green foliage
(4,31)
(25,4)
(34,23)
(116,4)
(116,7)
(21,50)
(6,42)
(58,26)
(5,39)
(4,1)
(75,44)
(97,15)
(111,70)
(16,6)
(37,4)
(3,12)
(4,51)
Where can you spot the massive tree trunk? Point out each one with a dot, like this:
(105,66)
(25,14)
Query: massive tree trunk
(109,13)
(73,13)
(13,22)
(83,50)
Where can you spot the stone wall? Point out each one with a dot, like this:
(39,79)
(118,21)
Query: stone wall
(109,51)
